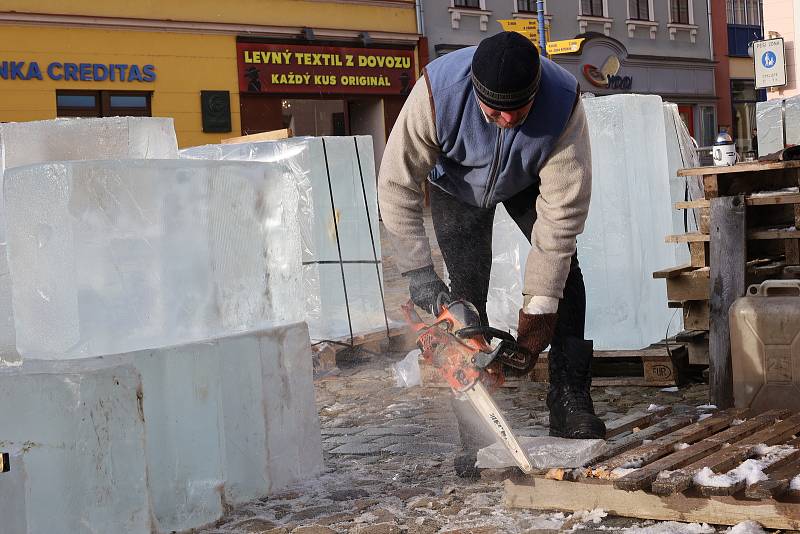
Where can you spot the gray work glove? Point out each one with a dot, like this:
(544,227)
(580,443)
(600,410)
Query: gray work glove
(425,288)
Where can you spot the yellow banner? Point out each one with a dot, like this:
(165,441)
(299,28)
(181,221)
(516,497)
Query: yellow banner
(519,25)
(564,47)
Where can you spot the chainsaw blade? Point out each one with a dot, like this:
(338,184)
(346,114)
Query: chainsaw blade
(488,410)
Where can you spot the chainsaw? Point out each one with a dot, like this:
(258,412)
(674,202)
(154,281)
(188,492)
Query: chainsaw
(458,347)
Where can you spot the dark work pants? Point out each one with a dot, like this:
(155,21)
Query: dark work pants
(464,234)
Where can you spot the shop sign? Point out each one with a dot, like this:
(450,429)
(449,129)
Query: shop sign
(564,47)
(607,77)
(770,63)
(308,69)
(77,72)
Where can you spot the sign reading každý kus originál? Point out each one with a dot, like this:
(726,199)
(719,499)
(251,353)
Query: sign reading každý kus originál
(308,69)
(77,72)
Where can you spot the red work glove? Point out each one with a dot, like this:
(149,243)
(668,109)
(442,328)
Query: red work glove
(535,332)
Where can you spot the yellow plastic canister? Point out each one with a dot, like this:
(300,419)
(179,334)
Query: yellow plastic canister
(765,346)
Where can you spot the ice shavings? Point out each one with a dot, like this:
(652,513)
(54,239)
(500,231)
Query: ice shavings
(750,471)
(704,416)
(655,408)
(681,446)
(708,407)
(746,527)
(635,463)
(620,472)
(673,389)
(775,192)
(794,485)
(594,516)
(670,527)
(737,422)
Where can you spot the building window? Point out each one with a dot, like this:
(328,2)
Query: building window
(469,8)
(526,6)
(679,12)
(639,9)
(472,4)
(592,8)
(103,103)
(744,12)
(744,97)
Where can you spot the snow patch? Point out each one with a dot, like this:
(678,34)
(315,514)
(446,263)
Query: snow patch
(746,527)
(655,408)
(670,527)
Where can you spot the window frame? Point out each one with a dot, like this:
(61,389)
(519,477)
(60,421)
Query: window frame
(604,7)
(689,13)
(103,106)
(481,4)
(650,14)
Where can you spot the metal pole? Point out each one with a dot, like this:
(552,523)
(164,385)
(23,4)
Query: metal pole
(542,36)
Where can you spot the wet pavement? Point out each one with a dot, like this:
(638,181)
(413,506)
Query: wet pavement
(388,455)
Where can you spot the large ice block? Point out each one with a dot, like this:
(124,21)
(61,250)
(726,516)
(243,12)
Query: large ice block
(114,256)
(778,124)
(335,177)
(159,440)
(623,242)
(76,434)
(26,143)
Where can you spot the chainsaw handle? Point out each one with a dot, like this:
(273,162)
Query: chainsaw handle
(486,331)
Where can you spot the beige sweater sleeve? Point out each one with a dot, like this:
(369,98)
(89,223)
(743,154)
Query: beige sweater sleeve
(410,154)
(562,207)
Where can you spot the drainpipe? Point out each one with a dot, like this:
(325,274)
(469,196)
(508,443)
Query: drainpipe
(420,20)
(542,34)
(710,31)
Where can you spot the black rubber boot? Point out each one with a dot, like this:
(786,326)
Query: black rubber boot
(473,437)
(569,399)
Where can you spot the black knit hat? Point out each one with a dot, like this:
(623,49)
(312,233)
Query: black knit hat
(506,71)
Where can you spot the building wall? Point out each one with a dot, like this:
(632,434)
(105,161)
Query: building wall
(184,65)
(783,17)
(564,24)
(191,49)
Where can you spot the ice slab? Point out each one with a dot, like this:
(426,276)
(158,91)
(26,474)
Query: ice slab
(335,178)
(114,256)
(623,242)
(778,124)
(26,143)
(216,423)
(77,436)
(545,452)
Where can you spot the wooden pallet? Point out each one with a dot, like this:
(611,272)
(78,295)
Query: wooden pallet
(654,366)
(666,454)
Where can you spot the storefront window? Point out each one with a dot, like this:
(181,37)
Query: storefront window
(592,8)
(314,117)
(102,103)
(679,11)
(639,9)
(744,97)
(744,12)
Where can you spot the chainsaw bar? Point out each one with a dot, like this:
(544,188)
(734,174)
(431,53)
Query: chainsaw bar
(488,410)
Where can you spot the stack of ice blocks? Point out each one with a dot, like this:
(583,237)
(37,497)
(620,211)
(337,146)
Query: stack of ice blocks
(164,372)
(25,143)
(623,242)
(777,124)
(335,177)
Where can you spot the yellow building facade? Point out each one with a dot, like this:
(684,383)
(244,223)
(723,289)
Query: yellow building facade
(159,58)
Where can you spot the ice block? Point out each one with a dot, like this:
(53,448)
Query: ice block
(335,177)
(770,118)
(76,434)
(115,256)
(623,241)
(215,423)
(25,143)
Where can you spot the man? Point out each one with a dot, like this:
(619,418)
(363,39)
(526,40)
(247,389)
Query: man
(490,124)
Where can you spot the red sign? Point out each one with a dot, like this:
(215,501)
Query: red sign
(277,68)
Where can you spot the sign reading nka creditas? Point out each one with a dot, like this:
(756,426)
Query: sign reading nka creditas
(278,68)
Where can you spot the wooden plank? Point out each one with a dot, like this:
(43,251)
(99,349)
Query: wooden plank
(699,254)
(710,186)
(692,237)
(792,250)
(685,287)
(761,200)
(727,458)
(543,494)
(778,482)
(728,259)
(754,166)
(622,444)
(646,453)
(695,315)
(773,234)
(642,478)
(672,272)
(634,420)
(698,351)
(273,135)
(770,464)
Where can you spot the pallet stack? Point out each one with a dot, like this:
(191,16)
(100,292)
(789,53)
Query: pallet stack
(771,199)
